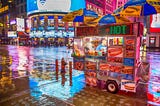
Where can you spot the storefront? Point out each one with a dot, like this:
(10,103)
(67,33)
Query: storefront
(153,40)
(153,37)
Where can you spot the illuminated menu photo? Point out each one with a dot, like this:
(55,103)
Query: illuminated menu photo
(20,24)
(155,23)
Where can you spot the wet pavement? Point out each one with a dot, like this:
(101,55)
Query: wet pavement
(28,77)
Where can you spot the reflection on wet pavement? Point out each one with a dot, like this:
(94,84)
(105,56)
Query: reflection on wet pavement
(154,82)
(27,76)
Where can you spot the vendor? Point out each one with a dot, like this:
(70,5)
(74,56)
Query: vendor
(102,46)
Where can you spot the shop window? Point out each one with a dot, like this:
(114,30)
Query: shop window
(22,9)
(152,41)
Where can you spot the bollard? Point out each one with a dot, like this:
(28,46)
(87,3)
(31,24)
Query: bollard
(70,73)
(56,69)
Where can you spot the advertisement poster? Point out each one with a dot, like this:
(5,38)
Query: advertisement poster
(114,74)
(130,53)
(102,73)
(95,46)
(115,68)
(20,24)
(51,21)
(115,52)
(115,41)
(130,40)
(54,5)
(115,59)
(127,76)
(35,23)
(155,23)
(78,64)
(12,34)
(129,61)
(104,66)
(60,22)
(127,70)
(128,85)
(41,19)
(92,81)
(89,65)
(78,48)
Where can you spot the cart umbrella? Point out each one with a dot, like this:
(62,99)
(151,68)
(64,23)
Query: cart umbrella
(108,19)
(81,15)
(140,8)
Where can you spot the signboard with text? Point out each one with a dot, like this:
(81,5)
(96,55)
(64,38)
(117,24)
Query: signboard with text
(86,31)
(118,29)
(155,23)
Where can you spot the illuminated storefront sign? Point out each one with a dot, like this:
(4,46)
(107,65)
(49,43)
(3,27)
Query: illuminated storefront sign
(86,31)
(12,34)
(116,29)
(54,5)
(20,24)
(3,9)
(155,23)
(124,29)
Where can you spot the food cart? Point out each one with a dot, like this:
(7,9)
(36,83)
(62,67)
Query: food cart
(109,53)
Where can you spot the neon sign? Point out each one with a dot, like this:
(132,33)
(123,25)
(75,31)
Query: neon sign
(124,29)
(118,29)
(86,31)
(3,9)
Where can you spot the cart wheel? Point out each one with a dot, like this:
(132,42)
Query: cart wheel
(112,87)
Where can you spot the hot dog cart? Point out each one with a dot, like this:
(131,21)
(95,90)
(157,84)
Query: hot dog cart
(109,53)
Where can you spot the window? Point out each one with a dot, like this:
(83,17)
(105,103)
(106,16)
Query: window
(22,9)
(17,2)
(17,10)
(25,8)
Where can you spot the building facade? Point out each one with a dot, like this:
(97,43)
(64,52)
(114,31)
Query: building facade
(120,3)
(101,7)
(7,13)
(152,39)
(43,18)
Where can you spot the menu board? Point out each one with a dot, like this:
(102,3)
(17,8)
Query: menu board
(78,48)
(95,46)
(115,41)
(127,76)
(129,61)
(115,54)
(115,59)
(91,78)
(130,46)
(127,70)
(89,65)
(114,74)
(91,72)
(115,68)
(78,64)
(128,85)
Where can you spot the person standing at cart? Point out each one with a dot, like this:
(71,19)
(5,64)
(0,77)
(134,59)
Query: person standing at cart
(101,48)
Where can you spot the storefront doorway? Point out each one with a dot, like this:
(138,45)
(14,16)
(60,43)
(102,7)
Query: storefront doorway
(152,41)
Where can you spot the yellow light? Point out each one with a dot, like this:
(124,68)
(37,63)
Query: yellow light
(9,1)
